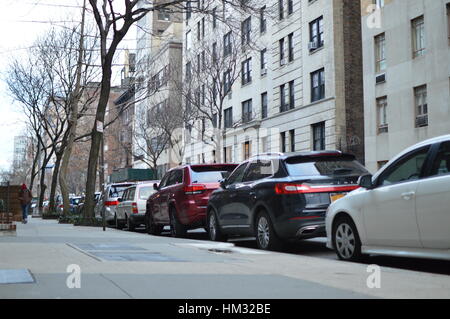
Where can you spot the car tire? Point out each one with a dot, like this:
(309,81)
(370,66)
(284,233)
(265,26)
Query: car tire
(151,227)
(117,222)
(346,242)
(177,229)
(130,225)
(213,228)
(266,238)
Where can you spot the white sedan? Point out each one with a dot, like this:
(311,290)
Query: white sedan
(403,210)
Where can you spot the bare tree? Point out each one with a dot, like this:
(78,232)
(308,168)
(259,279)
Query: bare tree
(213,68)
(113,24)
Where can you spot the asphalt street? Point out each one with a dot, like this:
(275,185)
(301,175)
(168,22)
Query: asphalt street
(48,260)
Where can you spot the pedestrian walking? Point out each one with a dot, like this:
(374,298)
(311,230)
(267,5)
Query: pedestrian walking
(25,201)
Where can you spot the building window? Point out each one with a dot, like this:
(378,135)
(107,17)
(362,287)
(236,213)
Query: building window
(228,117)
(318,131)
(318,85)
(247,111)
(264,105)
(380,53)
(188,71)
(283,142)
(262,20)
(382,115)
(263,60)
(246,28)
(214,18)
(281,9)
(448,22)
(188,11)
(247,150)
(283,104)
(418,36)
(292,140)
(281,46)
(246,71)
(290,6)
(214,53)
(188,40)
(227,82)
(199,30)
(291,95)
(163,15)
(421,106)
(316,34)
(291,47)
(227,44)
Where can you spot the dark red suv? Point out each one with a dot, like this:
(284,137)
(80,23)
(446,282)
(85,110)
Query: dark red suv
(182,197)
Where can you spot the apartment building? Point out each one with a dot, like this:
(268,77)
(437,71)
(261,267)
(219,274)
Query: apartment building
(406,48)
(298,85)
(158,78)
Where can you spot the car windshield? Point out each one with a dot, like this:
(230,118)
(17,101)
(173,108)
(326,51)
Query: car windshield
(117,190)
(146,192)
(325,166)
(211,174)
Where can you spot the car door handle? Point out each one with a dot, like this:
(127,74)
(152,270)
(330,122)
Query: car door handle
(408,195)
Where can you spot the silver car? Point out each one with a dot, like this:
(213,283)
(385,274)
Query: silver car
(132,206)
(108,201)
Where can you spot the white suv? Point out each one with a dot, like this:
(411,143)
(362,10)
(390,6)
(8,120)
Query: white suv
(132,205)
(403,210)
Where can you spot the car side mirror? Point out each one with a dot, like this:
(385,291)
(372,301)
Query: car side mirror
(120,200)
(223,183)
(155,187)
(365,181)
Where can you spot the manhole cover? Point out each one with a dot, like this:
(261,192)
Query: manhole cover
(108,247)
(124,256)
(15,276)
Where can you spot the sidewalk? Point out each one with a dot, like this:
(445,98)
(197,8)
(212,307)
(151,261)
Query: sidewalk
(121,264)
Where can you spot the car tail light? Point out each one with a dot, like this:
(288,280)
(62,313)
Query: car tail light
(61,206)
(194,189)
(291,188)
(111,203)
(134,208)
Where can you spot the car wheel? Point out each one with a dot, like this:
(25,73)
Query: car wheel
(266,238)
(346,242)
(214,232)
(151,227)
(130,224)
(117,222)
(176,228)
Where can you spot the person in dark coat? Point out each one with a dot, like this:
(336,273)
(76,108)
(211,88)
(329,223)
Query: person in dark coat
(25,201)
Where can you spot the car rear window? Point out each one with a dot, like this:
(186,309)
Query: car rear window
(146,192)
(211,174)
(324,166)
(117,191)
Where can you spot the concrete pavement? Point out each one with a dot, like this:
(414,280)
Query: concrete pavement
(121,264)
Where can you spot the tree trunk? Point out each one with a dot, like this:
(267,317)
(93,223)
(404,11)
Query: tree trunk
(42,183)
(33,169)
(96,139)
(55,175)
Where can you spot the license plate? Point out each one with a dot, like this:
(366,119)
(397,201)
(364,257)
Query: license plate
(335,197)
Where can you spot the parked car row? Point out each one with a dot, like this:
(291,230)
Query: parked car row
(403,210)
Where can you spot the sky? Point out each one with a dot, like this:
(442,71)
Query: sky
(21,22)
